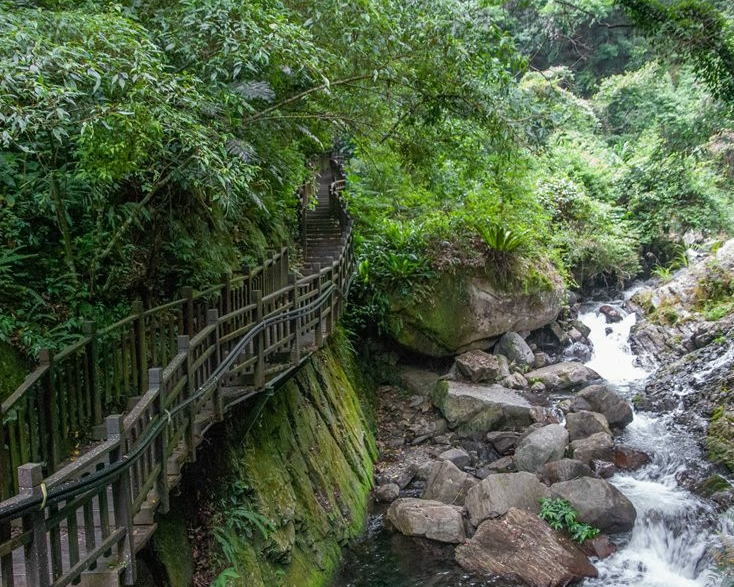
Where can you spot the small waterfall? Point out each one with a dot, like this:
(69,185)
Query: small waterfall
(675,532)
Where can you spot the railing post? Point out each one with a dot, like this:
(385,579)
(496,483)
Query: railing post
(50,409)
(212,319)
(121,500)
(259,342)
(90,330)
(188,311)
(30,478)
(295,322)
(188,391)
(141,346)
(226,296)
(160,448)
(319,335)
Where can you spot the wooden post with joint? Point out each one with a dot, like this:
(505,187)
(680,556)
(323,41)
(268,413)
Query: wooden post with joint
(49,407)
(319,335)
(30,479)
(140,346)
(295,322)
(212,319)
(121,499)
(188,391)
(188,310)
(259,342)
(160,447)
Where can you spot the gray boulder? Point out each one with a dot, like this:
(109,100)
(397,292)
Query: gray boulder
(503,441)
(598,503)
(517,351)
(583,424)
(515,381)
(478,366)
(448,484)
(457,456)
(428,519)
(498,493)
(520,545)
(540,447)
(564,470)
(595,447)
(598,398)
(473,410)
(563,376)
(387,493)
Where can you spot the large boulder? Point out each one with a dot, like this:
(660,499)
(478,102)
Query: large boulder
(598,398)
(478,366)
(499,492)
(514,347)
(583,424)
(565,375)
(540,447)
(597,447)
(564,470)
(428,519)
(521,546)
(473,410)
(503,441)
(467,311)
(448,484)
(598,503)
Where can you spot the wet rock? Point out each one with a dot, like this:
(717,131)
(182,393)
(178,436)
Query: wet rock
(504,442)
(429,519)
(581,327)
(600,547)
(406,475)
(564,470)
(543,416)
(611,314)
(595,447)
(457,456)
(541,360)
(515,381)
(496,494)
(517,351)
(520,545)
(448,484)
(541,446)
(583,424)
(712,485)
(537,387)
(598,503)
(628,458)
(604,469)
(563,375)
(474,410)
(598,398)
(558,334)
(387,493)
(578,351)
(478,366)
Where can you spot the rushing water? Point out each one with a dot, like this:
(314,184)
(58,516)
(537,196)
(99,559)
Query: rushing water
(673,539)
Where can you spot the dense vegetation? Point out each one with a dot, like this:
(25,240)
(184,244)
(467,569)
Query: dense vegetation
(150,145)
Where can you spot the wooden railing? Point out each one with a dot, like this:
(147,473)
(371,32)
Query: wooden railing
(214,349)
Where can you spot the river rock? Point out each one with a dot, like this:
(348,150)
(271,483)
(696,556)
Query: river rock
(517,351)
(600,547)
(429,519)
(611,314)
(448,484)
(595,447)
(628,458)
(563,375)
(467,311)
(417,381)
(503,465)
(478,366)
(458,456)
(583,424)
(473,410)
(598,503)
(503,441)
(498,493)
(598,398)
(564,470)
(521,546)
(541,446)
(515,381)
(387,493)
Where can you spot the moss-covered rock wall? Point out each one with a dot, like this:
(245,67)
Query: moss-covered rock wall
(288,491)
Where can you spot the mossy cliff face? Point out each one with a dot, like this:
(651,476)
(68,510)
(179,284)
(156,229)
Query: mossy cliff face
(467,311)
(307,466)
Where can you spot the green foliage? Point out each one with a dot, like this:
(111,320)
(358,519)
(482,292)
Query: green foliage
(560,515)
(501,239)
(715,292)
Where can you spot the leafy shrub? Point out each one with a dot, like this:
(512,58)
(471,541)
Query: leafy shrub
(560,515)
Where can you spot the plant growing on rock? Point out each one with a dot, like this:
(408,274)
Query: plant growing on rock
(560,515)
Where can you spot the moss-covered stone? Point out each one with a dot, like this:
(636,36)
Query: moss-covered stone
(307,464)
(720,438)
(170,544)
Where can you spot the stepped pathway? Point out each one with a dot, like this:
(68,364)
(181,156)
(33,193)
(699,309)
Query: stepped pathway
(255,334)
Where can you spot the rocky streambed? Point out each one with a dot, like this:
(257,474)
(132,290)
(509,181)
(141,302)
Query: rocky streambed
(467,457)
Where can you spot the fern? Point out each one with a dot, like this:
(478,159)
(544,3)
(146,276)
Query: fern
(501,239)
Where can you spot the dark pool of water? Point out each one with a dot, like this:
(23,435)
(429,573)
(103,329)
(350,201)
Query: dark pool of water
(388,559)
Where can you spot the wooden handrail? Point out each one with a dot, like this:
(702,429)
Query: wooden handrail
(99,508)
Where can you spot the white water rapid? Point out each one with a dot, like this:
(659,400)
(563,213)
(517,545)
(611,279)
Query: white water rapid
(676,533)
